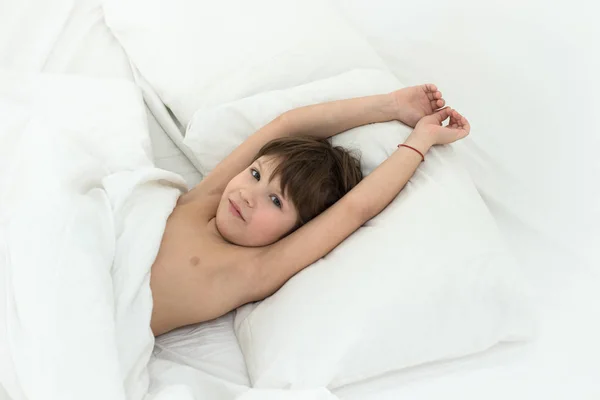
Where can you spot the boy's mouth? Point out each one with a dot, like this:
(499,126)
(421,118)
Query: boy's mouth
(235,210)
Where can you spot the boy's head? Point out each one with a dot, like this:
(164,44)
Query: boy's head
(290,181)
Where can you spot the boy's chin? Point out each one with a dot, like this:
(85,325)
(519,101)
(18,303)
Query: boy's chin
(232,233)
(235,234)
(247,242)
(226,230)
(240,239)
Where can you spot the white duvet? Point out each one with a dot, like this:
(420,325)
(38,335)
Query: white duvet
(83,212)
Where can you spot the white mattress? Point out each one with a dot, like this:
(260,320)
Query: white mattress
(70,37)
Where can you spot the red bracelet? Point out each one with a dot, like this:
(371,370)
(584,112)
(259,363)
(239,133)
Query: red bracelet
(412,148)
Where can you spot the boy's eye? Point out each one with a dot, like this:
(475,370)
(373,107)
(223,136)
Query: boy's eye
(276,201)
(255,174)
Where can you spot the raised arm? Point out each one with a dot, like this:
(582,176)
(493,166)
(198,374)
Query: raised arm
(319,120)
(314,240)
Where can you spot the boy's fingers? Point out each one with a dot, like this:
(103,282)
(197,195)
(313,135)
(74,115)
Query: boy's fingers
(467,126)
(431,89)
(458,119)
(442,114)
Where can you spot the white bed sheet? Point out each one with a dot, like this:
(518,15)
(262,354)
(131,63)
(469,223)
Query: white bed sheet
(210,347)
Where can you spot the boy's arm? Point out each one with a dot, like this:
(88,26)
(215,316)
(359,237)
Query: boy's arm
(319,120)
(283,259)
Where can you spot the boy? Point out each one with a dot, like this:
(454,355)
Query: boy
(282,200)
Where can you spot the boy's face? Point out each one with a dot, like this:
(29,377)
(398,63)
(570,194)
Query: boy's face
(253,212)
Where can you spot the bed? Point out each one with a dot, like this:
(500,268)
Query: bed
(69,37)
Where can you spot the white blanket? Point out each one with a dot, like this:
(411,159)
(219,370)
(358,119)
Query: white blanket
(83,212)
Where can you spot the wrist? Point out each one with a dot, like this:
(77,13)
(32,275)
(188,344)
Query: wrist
(394,108)
(419,142)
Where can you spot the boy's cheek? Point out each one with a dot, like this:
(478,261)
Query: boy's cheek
(264,224)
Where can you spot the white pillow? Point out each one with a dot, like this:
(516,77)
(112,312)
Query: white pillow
(197,54)
(427,279)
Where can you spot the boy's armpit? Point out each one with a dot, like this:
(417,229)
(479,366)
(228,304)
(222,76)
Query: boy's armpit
(200,191)
(199,203)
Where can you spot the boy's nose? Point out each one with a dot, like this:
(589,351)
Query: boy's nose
(247,198)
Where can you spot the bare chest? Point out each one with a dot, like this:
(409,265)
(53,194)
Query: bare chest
(184,273)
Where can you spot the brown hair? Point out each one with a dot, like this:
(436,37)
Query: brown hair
(314,174)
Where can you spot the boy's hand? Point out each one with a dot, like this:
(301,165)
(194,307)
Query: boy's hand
(429,129)
(415,102)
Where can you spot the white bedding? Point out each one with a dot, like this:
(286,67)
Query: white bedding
(167,155)
(526,112)
(468,292)
(210,347)
(71,37)
(561,364)
(78,237)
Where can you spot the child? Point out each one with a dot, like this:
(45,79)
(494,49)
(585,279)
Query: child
(282,200)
